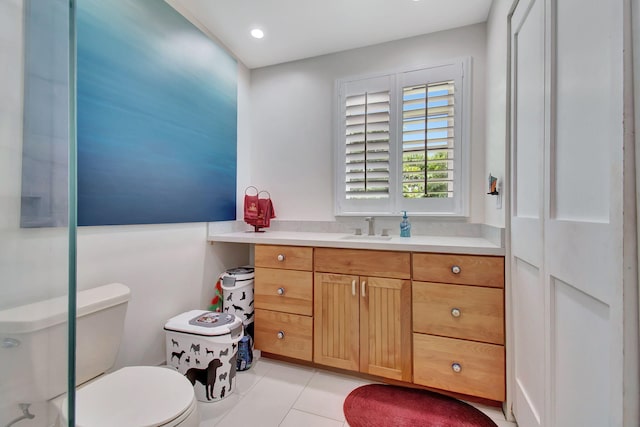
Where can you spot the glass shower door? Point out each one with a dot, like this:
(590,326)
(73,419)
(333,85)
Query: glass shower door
(37,226)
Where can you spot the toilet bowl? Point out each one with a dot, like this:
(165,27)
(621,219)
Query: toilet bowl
(140,396)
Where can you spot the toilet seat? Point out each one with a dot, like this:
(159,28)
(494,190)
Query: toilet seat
(140,396)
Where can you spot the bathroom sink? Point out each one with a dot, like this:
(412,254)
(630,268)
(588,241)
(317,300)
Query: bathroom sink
(365,237)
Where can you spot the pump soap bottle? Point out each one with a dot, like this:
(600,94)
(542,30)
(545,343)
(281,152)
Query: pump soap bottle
(405,226)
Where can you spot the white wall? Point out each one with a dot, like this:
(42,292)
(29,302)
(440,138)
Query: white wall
(292,114)
(170,269)
(496,106)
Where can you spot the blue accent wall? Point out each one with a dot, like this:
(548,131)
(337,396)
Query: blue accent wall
(157,117)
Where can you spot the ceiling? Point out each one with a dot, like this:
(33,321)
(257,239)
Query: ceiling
(297,29)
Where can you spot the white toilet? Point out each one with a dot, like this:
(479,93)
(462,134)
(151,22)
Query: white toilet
(137,396)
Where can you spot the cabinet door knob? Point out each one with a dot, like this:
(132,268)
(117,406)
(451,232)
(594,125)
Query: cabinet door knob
(455,312)
(280,335)
(456,269)
(280,257)
(280,291)
(363,286)
(456,367)
(353,287)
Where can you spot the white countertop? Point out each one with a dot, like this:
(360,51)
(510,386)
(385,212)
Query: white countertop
(443,244)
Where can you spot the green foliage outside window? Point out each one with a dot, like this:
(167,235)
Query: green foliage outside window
(414,167)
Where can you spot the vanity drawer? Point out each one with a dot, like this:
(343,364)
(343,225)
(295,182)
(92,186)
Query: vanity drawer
(290,291)
(391,264)
(287,257)
(481,366)
(288,335)
(459,311)
(461,269)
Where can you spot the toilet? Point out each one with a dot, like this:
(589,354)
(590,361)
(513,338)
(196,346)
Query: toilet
(136,396)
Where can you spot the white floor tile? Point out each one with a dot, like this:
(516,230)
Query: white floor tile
(245,380)
(491,411)
(297,418)
(325,394)
(213,412)
(274,393)
(270,399)
(494,413)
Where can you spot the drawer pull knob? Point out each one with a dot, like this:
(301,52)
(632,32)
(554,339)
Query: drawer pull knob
(456,269)
(455,312)
(280,257)
(280,335)
(456,367)
(280,291)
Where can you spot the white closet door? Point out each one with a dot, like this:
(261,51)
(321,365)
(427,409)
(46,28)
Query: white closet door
(527,210)
(583,232)
(567,219)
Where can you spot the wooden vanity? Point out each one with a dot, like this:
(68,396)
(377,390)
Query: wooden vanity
(431,319)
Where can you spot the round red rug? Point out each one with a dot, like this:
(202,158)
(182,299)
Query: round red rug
(378,405)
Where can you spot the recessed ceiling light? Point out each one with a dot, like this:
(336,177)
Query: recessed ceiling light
(257,33)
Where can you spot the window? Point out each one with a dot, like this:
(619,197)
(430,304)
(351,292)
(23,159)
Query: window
(401,143)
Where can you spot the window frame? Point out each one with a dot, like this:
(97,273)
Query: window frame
(459,70)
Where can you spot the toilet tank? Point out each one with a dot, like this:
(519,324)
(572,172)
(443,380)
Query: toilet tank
(33,342)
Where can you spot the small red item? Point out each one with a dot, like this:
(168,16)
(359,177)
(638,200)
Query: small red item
(250,206)
(258,211)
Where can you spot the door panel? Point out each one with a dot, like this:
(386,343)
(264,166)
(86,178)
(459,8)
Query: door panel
(581,345)
(583,229)
(527,276)
(336,321)
(385,327)
(528,303)
(588,111)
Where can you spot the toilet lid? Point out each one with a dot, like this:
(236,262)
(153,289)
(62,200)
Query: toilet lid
(141,396)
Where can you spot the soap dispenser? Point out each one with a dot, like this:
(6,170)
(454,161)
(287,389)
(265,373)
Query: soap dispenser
(405,226)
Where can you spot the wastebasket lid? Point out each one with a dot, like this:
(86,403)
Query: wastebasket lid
(202,322)
(240,270)
(240,273)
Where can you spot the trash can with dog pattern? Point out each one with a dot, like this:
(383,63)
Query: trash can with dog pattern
(237,291)
(203,346)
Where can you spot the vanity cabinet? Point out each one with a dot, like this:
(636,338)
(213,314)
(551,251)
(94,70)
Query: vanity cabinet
(284,300)
(458,324)
(362,311)
(436,320)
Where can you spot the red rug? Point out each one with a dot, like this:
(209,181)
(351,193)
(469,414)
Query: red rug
(377,405)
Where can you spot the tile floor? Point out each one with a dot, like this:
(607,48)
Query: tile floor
(274,393)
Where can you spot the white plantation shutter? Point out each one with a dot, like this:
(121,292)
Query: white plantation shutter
(367,145)
(428,119)
(367,127)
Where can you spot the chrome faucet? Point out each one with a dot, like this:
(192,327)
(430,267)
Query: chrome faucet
(371,220)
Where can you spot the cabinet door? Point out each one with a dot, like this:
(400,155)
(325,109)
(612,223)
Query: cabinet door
(385,327)
(336,320)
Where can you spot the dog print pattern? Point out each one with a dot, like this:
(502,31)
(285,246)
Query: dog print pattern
(213,384)
(240,303)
